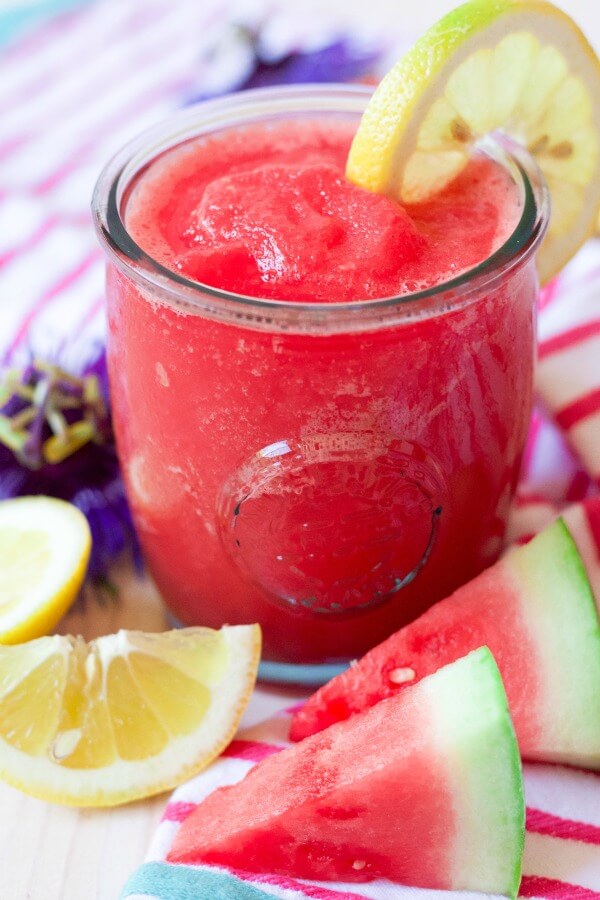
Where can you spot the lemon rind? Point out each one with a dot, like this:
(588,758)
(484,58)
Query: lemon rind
(126,781)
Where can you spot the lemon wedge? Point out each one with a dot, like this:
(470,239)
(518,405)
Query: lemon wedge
(520,66)
(44,550)
(123,717)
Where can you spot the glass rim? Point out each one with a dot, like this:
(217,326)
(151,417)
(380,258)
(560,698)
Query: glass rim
(260,104)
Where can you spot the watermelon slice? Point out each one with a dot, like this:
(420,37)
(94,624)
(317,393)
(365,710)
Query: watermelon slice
(535,611)
(424,789)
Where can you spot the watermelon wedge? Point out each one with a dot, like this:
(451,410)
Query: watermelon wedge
(424,789)
(535,611)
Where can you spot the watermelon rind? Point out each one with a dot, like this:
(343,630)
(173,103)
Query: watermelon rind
(485,767)
(562,616)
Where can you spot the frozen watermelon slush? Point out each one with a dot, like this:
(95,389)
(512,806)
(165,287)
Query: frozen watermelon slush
(321,397)
(267,211)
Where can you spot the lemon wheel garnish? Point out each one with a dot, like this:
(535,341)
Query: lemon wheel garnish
(44,550)
(520,66)
(123,717)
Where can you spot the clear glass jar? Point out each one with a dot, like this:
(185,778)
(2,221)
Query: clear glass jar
(328,470)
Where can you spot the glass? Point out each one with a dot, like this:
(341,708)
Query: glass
(328,470)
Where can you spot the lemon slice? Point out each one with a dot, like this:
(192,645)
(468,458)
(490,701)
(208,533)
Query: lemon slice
(123,717)
(44,550)
(521,66)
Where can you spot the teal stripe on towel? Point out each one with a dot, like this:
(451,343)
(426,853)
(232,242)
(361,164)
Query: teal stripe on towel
(168,882)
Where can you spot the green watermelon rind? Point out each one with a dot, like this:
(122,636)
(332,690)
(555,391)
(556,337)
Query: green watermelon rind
(486,772)
(567,640)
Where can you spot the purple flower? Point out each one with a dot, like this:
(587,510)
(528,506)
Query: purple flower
(237,61)
(336,62)
(56,439)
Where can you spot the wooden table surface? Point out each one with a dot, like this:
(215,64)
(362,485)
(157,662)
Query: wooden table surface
(50,852)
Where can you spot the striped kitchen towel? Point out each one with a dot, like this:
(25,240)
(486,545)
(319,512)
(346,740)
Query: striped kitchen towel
(562,847)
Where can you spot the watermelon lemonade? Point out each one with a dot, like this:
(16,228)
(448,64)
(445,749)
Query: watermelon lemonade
(320,396)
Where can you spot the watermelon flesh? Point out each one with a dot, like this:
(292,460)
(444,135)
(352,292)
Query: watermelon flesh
(423,789)
(535,611)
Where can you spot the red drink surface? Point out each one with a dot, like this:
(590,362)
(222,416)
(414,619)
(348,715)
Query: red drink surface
(267,212)
(329,486)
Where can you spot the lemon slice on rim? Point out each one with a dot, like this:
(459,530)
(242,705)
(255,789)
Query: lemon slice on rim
(520,66)
(123,717)
(44,550)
